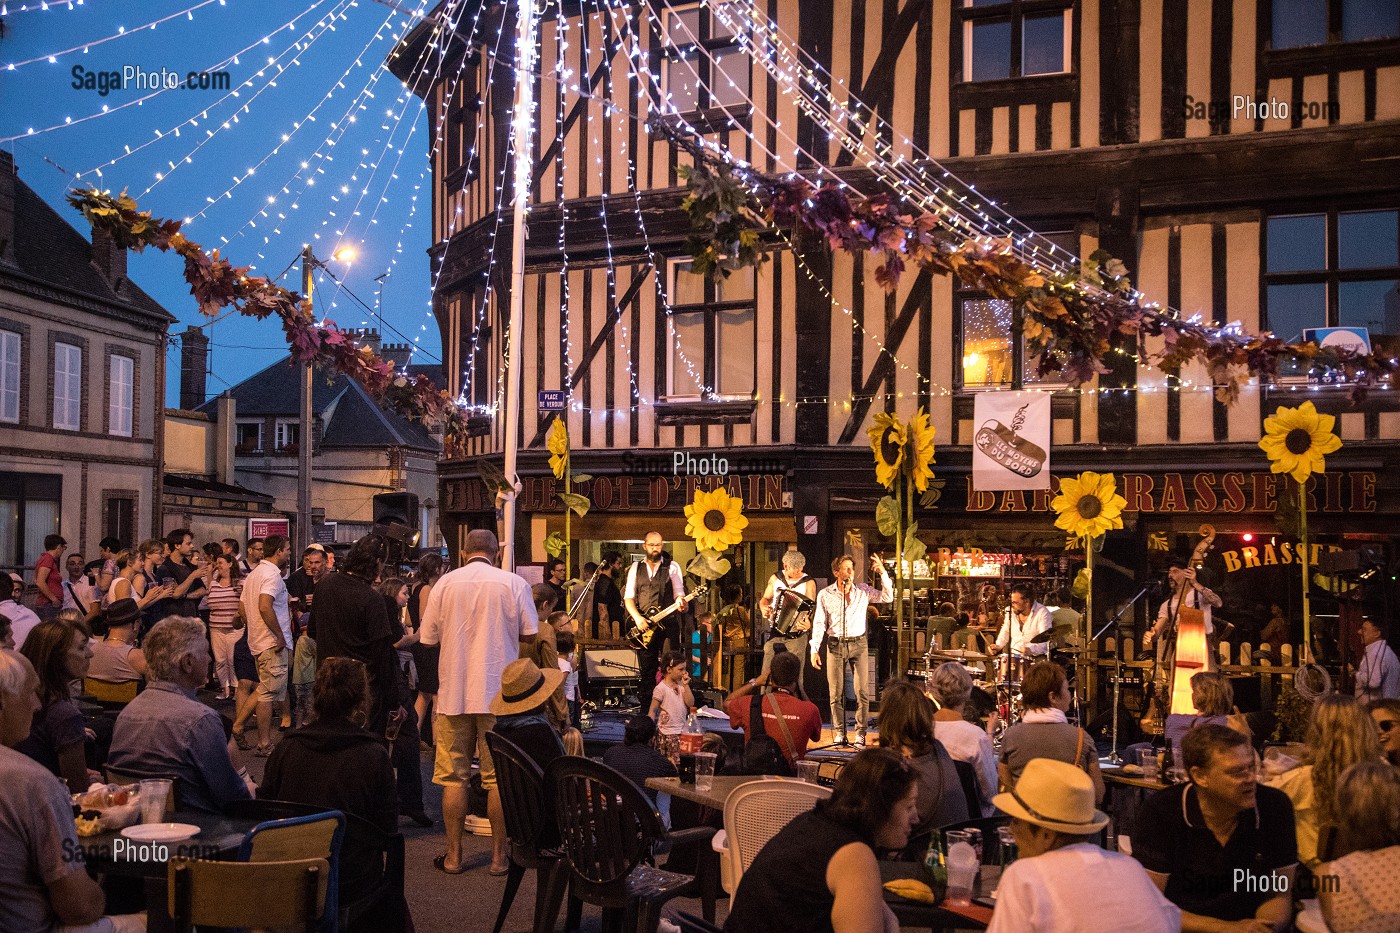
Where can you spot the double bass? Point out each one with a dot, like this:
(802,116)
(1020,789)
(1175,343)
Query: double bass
(1187,649)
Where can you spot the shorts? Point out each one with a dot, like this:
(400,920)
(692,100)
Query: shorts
(457,738)
(272,676)
(244,667)
(425,661)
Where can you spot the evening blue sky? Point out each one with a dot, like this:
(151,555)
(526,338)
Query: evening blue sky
(363,187)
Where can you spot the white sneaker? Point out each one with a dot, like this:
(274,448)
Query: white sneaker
(477,825)
(860,740)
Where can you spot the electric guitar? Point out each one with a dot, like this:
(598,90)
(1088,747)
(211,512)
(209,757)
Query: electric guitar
(644,634)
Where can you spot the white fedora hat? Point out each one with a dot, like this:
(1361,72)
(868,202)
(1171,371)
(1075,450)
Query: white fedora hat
(1056,795)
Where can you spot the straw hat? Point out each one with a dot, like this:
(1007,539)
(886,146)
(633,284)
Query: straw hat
(122,612)
(1056,795)
(523,687)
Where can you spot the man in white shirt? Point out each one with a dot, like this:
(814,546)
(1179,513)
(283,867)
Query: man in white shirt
(841,612)
(482,617)
(1062,880)
(1378,674)
(22,618)
(654,583)
(269,621)
(1024,620)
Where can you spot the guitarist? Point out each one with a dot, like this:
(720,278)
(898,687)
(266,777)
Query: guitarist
(654,583)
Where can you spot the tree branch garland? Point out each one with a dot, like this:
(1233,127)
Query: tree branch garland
(216,284)
(1071,319)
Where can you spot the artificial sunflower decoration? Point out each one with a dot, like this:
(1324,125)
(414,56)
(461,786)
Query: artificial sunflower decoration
(558,444)
(920,454)
(887,437)
(1089,504)
(1296,439)
(715,520)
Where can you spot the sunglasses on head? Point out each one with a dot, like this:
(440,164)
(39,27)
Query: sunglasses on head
(1386,724)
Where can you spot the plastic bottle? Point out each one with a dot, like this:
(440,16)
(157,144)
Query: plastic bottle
(691,736)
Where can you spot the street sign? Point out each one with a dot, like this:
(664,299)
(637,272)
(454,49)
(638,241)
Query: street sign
(323,533)
(553,400)
(262,527)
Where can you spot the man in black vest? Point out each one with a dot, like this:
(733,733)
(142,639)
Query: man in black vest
(653,584)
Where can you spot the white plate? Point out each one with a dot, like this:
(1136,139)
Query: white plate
(160,832)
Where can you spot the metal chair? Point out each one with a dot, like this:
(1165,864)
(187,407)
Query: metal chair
(531,830)
(754,814)
(276,895)
(314,836)
(609,829)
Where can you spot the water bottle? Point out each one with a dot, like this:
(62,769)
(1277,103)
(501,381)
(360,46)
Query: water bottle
(936,868)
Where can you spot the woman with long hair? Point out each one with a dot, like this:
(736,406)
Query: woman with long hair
(1045,732)
(145,588)
(226,624)
(425,657)
(1340,734)
(819,873)
(60,654)
(906,727)
(1365,897)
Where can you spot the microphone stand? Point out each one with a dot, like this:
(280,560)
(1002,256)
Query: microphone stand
(1114,757)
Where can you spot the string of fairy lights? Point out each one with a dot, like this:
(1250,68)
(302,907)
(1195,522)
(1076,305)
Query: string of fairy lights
(121,33)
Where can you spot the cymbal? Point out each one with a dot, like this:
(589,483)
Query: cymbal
(1070,651)
(1058,631)
(960,654)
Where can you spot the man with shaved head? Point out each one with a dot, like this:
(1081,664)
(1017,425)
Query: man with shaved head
(481,616)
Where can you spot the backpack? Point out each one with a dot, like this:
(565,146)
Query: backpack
(762,754)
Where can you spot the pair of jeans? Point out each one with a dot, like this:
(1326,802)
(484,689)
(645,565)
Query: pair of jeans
(841,652)
(797,644)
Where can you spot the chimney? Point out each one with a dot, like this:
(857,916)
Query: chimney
(194,364)
(109,259)
(399,353)
(367,337)
(7,208)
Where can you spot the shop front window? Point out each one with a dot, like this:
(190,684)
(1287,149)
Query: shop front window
(29,510)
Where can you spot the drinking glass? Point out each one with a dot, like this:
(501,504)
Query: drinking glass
(154,793)
(704,770)
(1148,759)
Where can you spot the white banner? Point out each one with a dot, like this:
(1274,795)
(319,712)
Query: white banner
(1011,446)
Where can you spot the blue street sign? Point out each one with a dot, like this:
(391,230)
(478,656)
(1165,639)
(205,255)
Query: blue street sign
(1357,339)
(553,400)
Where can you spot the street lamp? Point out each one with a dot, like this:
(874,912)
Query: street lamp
(309,263)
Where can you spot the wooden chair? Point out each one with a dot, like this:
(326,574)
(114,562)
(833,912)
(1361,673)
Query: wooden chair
(297,838)
(609,829)
(258,895)
(110,694)
(126,779)
(531,831)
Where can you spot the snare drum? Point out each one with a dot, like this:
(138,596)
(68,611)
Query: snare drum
(792,612)
(1012,669)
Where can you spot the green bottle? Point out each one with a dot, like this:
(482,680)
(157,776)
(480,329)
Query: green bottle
(936,867)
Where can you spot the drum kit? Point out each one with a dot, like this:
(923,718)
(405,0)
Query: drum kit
(1002,697)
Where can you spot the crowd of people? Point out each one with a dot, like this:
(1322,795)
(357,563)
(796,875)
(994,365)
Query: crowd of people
(363,669)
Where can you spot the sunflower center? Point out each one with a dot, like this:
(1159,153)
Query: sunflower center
(889,447)
(1089,507)
(1297,441)
(714,520)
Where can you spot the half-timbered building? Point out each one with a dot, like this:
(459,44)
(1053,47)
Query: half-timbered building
(1240,156)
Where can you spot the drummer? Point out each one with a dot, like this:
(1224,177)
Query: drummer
(1022,621)
(792,577)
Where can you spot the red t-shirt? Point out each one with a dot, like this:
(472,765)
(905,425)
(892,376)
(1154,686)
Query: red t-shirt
(804,720)
(54,581)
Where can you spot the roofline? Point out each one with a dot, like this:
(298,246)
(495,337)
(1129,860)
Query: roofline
(35,287)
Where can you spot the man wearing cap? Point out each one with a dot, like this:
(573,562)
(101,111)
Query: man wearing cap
(1063,880)
(1223,848)
(481,616)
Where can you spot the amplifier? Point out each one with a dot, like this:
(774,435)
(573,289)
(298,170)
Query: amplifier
(610,664)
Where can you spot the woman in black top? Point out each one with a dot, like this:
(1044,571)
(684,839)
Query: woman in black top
(425,657)
(819,872)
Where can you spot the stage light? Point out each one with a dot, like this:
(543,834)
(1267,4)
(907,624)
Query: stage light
(1248,536)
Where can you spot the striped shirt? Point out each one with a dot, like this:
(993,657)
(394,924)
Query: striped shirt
(223,604)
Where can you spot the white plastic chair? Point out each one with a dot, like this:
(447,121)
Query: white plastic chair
(753,814)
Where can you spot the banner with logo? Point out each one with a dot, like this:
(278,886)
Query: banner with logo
(1011,443)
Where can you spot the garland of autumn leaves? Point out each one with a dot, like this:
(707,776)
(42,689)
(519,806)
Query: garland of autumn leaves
(216,284)
(1072,320)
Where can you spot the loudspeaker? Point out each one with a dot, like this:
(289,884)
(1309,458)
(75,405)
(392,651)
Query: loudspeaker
(396,508)
(610,664)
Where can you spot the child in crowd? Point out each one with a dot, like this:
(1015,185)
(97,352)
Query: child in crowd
(303,679)
(671,703)
(565,643)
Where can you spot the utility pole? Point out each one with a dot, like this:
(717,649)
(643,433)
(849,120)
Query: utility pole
(303,535)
